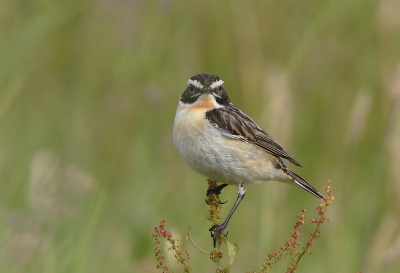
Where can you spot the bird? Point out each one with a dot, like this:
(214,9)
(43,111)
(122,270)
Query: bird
(220,141)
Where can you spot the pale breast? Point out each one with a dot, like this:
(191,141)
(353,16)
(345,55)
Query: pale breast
(209,152)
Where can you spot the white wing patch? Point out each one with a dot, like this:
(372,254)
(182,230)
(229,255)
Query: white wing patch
(229,134)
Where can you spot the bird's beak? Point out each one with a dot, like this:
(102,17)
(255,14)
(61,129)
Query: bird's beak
(207,89)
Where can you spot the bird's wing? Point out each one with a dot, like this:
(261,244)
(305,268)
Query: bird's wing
(235,123)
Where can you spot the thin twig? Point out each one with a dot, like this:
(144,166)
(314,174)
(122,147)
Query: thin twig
(189,237)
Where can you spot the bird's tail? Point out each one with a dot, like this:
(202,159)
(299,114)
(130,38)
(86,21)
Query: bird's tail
(301,183)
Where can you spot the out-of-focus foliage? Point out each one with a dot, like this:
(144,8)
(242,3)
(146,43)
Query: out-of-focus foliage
(88,92)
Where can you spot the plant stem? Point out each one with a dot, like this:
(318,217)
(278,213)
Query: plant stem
(190,238)
(312,238)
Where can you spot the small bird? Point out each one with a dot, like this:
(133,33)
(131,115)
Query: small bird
(220,141)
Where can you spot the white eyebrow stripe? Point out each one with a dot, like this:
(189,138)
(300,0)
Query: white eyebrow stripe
(216,84)
(195,83)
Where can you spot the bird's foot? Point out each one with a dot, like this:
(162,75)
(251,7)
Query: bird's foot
(217,191)
(218,229)
(219,201)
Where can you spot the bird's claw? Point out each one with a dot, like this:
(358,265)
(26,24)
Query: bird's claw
(219,201)
(216,190)
(217,229)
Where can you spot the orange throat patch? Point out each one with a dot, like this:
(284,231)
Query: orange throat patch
(206,103)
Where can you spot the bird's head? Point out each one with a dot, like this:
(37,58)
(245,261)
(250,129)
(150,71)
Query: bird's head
(201,85)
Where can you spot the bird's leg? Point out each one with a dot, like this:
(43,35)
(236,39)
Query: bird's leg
(217,191)
(219,229)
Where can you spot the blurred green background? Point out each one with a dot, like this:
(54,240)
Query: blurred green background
(88,93)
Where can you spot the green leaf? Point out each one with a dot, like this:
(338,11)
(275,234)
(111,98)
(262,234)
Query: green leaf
(232,249)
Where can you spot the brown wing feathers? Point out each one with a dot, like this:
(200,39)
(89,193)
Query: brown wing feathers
(237,123)
(230,120)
